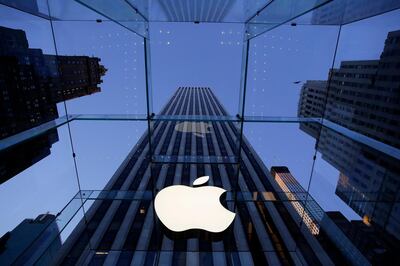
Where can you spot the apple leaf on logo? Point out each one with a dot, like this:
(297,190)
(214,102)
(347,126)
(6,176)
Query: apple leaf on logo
(201,180)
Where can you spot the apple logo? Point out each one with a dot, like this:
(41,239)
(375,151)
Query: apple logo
(199,129)
(182,208)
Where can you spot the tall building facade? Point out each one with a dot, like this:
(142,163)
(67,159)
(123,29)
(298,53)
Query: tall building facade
(363,96)
(312,104)
(304,204)
(31,85)
(377,246)
(31,241)
(126,232)
(199,11)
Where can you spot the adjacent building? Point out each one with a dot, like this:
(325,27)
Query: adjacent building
(363,96)
(377,246)
(32,241)
(306,207)
(31,85)
(312,104)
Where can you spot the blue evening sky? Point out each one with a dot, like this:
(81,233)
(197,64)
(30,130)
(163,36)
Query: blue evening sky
(183,55)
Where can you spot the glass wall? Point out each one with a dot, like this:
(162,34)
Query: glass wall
(291,107)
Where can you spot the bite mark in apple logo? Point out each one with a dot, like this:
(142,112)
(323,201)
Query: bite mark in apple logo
(182,208)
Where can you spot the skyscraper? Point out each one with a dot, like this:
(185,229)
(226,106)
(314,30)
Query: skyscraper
(126,231)
(368,180)
(31,241)
(31,85)
(379,247)
(312,104)
(363,96)
(304,204)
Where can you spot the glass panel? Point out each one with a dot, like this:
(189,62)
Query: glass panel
(277,13)
(313,180)
(50,234)
(238,11)
(280,62)
(47,169)
(285,146)
(220,175)
(111,117)
(70,10)
(356,185)
(104,63)
(37,8)
(35,157)
(106,152)
(344,12)
(194,118)
(28,62)
(231,195)
(356,175)
(196,142)
(122,13)
(34,132)
(211,58)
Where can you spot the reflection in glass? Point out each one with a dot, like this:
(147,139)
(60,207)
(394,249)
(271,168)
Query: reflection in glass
(306,207)
(32,83)
(362,96)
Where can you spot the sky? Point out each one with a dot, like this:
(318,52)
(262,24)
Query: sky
(183,54)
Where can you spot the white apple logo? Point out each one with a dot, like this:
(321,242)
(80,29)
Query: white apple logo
(182,208)
(199,129)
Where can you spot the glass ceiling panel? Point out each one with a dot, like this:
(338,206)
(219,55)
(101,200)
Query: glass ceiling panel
(120,11)
(237,11)
(341,12)
(217,11)
(259,15)
(277,13)
(72,10)
(38,8)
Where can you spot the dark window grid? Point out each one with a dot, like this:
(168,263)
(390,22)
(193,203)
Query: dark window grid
(261,175)
(136,226)
(175,150)
(185,175)
(164,148)
(199,146)
(87,233)
(109,236)
(253,241)
(138,221)
(248,179)
(89,230)
(125,172)
(171,129)
(114,226)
